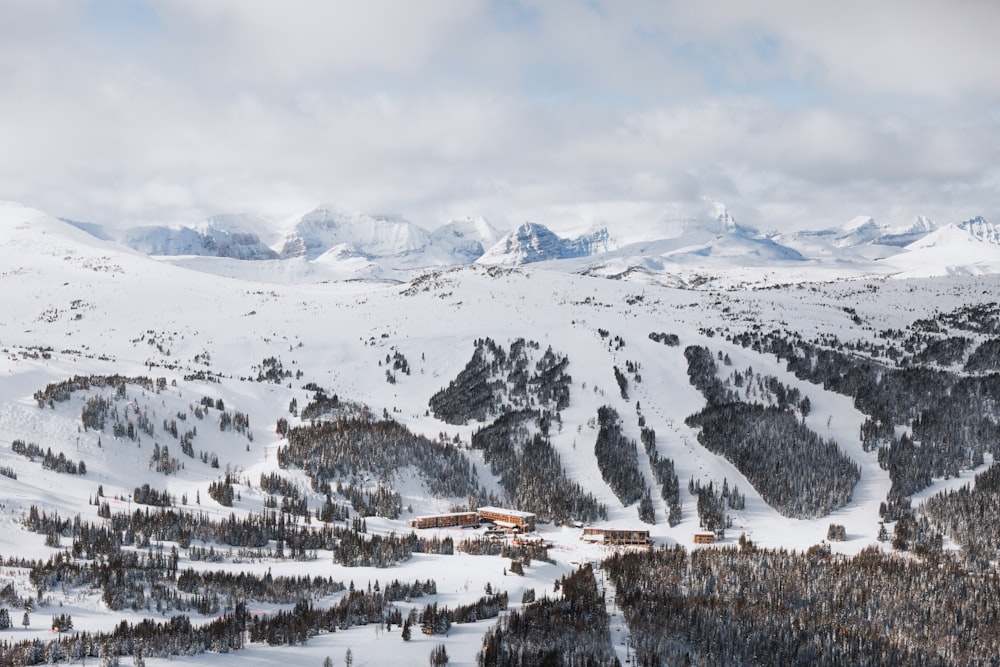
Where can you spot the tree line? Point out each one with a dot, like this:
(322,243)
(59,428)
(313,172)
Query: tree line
(569,630)
(329,451)
(531,470)
(747,605)
(498,380)
(795,470)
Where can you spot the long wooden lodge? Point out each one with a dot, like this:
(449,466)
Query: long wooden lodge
(510,520)
(616,536)
(453,519)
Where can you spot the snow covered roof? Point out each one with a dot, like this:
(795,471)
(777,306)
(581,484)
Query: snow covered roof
(504,510)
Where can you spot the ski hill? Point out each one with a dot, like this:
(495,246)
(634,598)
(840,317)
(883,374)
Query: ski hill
(189,376)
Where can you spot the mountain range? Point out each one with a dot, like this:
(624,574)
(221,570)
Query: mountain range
(706,246)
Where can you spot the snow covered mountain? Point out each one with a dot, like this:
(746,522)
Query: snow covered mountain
(392,242)
(533,242)
(689,245)
(974,231)
(859,231)
(981,230)
(214,237)
(864,230)
(325,227)
(904,236)
(702,250)
(209,384)
(209,242)
(969,247)
(467,239)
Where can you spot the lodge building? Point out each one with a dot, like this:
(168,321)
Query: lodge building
(616,536)
(446,520)
(510,520)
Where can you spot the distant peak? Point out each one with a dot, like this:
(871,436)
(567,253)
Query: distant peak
(534,242)
(860,231)
(973,222)
(716,217)
(860,222)
(723,216)
(981,230)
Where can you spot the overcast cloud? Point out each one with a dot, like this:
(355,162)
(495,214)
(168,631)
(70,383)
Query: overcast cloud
(795,114)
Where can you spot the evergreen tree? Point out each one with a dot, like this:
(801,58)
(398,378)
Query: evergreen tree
(439,656)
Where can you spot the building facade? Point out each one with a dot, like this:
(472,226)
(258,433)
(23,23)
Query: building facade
(616,536)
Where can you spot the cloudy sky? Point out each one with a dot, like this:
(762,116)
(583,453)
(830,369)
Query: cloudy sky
(570,113)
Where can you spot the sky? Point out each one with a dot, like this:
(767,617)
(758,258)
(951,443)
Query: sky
(574,114)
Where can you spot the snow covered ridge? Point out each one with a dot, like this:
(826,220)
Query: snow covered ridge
(391,240)
(976,230)
(207,241)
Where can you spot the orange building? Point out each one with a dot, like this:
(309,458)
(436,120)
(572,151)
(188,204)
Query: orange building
(510,519)
(445,520)
(617,536)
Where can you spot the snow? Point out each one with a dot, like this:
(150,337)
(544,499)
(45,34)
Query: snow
(96,305)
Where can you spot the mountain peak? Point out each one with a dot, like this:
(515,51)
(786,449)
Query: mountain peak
(726,221)
(530,242)
(208,242)
(239,223)
(904,236)
(980,229)
(971,223)
(973,231)
(467,238)
(324,227)
(860,222)
(859,231)
(534,242)
(922,223)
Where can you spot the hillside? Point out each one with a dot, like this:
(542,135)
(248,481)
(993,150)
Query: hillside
(351,407)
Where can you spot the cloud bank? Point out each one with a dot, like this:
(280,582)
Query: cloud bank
(568,113)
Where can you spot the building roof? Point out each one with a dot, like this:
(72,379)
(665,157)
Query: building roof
(436,516)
